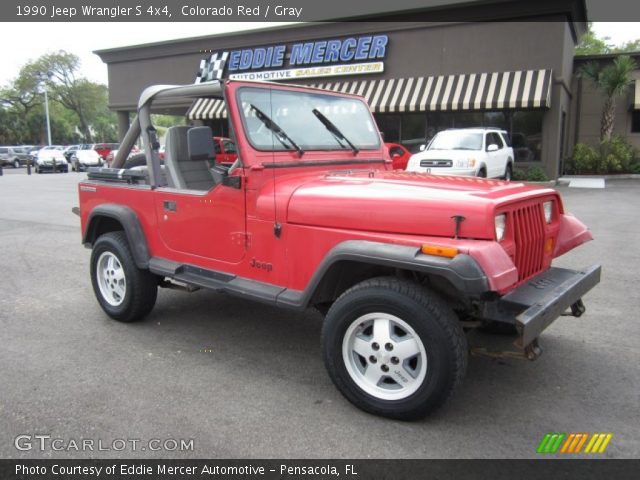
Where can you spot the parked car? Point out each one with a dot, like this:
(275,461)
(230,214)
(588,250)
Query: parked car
(51,159)
(404,267)
(33,151)
(399,155)
(112,154)
(225,150)
(14,156)
(103,149)
(481,152)
(71,149)
(85,158)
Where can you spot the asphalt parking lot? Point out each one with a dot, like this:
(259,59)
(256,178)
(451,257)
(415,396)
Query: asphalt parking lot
(247,380)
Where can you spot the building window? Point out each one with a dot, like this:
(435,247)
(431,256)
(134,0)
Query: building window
(635,121)
(523,126)
(389,125)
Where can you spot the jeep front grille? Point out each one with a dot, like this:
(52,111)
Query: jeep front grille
(528,229)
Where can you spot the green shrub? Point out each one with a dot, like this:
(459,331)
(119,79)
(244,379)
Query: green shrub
(611,156)
(584,160)
(536,174)
(519,174)
(616,155)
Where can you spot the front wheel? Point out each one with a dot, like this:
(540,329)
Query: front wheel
(508,173)
(124,291)
(393,348)
(16,163)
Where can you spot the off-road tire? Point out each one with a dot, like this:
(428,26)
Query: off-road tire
(137,160)
(141,285)
(432,320)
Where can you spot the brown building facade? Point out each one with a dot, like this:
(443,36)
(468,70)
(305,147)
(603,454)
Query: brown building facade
(418,77)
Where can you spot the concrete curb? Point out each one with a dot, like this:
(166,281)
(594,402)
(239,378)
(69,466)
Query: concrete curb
(565,180)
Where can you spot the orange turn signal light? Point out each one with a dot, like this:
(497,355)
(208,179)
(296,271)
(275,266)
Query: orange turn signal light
(439,251)
(548,246)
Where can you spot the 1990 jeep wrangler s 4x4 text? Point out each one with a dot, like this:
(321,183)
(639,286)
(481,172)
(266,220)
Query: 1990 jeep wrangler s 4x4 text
(406,266)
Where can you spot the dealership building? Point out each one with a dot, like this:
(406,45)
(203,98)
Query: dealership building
(516,72)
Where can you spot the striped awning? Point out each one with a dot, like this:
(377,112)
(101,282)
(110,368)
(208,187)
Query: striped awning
(475,91)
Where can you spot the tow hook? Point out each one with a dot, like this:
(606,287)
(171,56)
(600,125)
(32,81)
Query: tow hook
(533,350)
(577,309)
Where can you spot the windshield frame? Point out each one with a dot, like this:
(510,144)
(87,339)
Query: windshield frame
(306,148)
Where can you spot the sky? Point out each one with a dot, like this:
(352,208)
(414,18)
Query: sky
(83,38)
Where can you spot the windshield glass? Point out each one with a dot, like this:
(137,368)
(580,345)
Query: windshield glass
(292,111)
(450,140)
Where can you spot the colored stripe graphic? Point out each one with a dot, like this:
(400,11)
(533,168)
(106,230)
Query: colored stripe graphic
(551,442)
(573,443)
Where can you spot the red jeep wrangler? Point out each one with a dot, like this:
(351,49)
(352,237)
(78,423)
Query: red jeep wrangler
(406,267)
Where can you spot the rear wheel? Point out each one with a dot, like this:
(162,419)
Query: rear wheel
(124,291)
(393,348)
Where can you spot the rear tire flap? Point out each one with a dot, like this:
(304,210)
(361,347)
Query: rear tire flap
(433,322)
(141,286)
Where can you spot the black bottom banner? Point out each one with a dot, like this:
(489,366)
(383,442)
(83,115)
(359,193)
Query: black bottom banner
(318,469)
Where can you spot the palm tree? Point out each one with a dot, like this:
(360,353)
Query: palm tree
(613,81)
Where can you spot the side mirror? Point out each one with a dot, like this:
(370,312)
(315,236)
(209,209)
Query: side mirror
(423,147)
(492,148)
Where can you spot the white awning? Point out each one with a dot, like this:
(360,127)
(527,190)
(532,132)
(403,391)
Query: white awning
(476,91)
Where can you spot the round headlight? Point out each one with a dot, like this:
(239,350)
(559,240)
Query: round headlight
(501,222)
(548,211)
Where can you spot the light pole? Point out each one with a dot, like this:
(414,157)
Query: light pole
(46,104)
(46,113)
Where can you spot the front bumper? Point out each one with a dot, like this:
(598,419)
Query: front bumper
(460,172)
(533,306)
(49,167)
(83,167)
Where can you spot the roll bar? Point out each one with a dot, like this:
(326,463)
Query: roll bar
(142,126)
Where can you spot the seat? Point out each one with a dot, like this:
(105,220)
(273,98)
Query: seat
(186,157)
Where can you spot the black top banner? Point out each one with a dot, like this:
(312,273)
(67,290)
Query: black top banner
(309,10)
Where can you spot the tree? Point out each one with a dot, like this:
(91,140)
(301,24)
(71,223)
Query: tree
(58,71)
(612,80)
(591,44)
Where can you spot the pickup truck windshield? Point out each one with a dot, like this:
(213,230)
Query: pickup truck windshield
(293,112)
(456,141)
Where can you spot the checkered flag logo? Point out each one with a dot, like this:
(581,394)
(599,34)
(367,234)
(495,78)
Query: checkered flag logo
(212,68)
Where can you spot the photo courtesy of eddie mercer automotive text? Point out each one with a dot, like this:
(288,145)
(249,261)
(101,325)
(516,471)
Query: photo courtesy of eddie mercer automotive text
(308,211)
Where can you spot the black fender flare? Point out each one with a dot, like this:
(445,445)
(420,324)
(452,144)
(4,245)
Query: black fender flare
(130,224)
(464,273)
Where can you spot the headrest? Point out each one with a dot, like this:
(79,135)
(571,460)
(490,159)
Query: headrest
(200,141)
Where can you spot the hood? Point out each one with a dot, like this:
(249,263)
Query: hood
(46,155)
(405,203)
(446,154)
(87,156)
